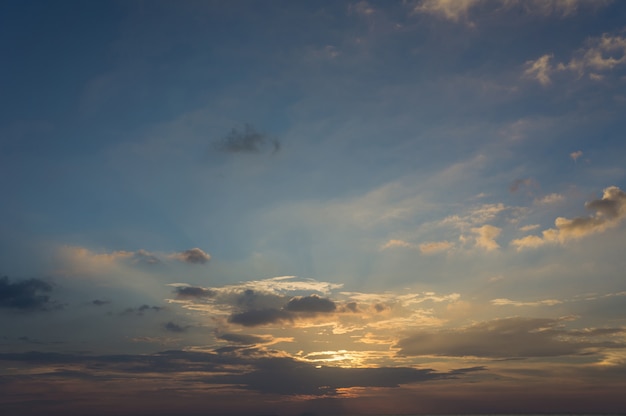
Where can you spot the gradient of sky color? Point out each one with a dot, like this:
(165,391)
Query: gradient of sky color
(312,207)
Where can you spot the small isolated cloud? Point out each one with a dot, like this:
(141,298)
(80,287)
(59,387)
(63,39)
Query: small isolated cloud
(435,247)
(25,295)
(139,311)
(520,184)
(610,210)
(194,256)
(396,244)
(486,237)
(550,199)
(193,292)
(247,140)
(98,302)
(174,327)
(529,227)
(539,69)
(576,155)
(312,303)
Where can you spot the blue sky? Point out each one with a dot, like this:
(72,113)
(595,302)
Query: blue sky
(326,207)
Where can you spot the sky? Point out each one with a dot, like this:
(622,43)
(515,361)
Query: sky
(312,207)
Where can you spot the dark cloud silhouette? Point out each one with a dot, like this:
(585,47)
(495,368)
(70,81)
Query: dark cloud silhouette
(174,327)
(192,292)
(247,140)
(312,303)
(25,295)
(256,317)
(141,309)
(242,339)
(248,368)
(504,338)
(98,302)
(194,256)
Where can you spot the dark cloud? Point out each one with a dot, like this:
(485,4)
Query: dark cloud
(192,292)
(247,140)
(248,368)
(174,327)
(25,295)
(312,303)
(194,256)
(141,310)
(242,339)
(256,317)
(98,302)
(504,338)
(145,257)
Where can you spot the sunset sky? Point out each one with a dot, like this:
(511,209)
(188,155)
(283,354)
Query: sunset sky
(312,207)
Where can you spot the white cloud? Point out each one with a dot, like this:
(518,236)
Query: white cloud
(576,155)
(550,199)
(486,235)
(610,210)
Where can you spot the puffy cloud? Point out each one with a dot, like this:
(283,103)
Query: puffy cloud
(396,244)
(503,338)
(312,303)
(194,256)
(485,237)
(576,155)
(247,140)
(610,211)
(25,295)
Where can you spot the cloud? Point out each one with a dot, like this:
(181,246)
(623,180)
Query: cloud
(247,140)
(191,292)
(194,256)
(174,327)
(396,244)
(312,303)
(139,311)
(503,338)
(525,183)
(25,295)
(576,155)
(485,237)
(509,302)
(539,69)
(258,317)
(550,199)
(98,302)
(599,55)
(435,247)
(610,210)
(449,9)
(244,339)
